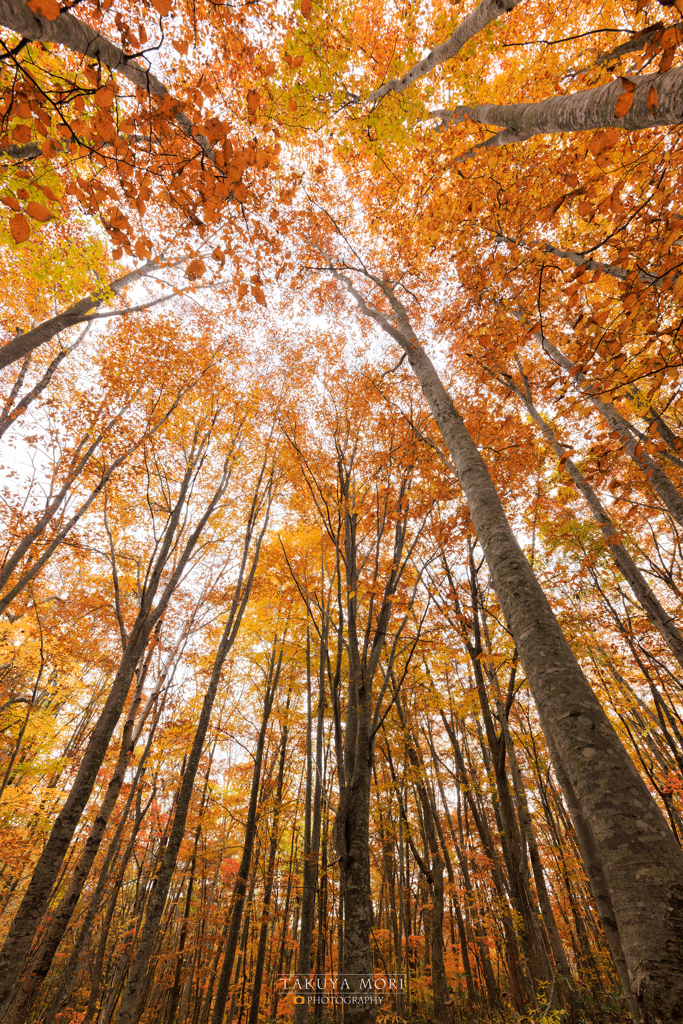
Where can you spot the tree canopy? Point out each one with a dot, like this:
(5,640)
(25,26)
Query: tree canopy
(341,578)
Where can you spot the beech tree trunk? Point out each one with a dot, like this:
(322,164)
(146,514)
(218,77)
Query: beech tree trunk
(670,497)
(640,857)
(28,917)
(240,887)
(580,111)
(268,892)
(642,591)
(311,831)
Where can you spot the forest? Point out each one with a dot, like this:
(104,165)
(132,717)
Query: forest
(341,512)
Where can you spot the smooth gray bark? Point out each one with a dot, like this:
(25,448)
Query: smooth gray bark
(75,35)
(483,14)
(640,857)
(579,112)
(669,495)
(78,313)
(642,591)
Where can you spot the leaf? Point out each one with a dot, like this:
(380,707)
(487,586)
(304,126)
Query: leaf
(11,201)
(104,97)
(257,292)
(21,134)
(38,211)
(49,9)
(625,101)
(195,270)
(20,228)
(48,148)
(162,6)
(253,101)
(307,8)
(667,60)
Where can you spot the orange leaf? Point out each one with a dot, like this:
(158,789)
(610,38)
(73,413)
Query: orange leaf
(292,105)
(652,100)
(667,60)
(49,9)
(162,6)
(141,249)
(624,103)
(669,38)
(20,228)
(49,193)
(253,101)
(195,270)
(21,134)
(242,291)
(306,8)
(104,97)
(257,292)
(38,211)
(48,148)
(11,202)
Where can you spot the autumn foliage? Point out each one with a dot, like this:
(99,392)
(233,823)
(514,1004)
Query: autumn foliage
(341,579)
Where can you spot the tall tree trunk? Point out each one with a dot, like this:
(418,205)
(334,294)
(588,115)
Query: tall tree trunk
(268,891)
(641,860)
(311,827)
(28,917)
(132,998)
(240,887)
